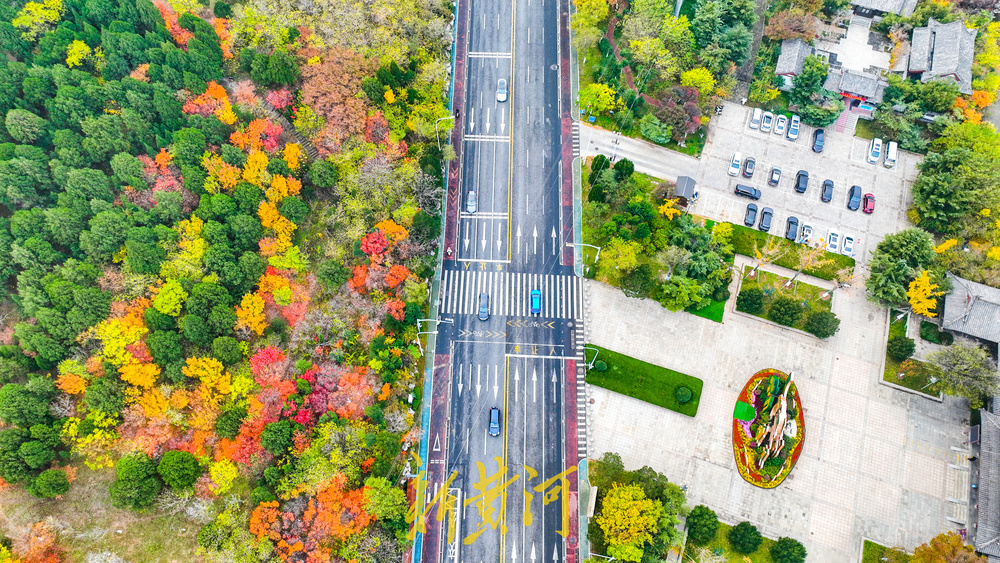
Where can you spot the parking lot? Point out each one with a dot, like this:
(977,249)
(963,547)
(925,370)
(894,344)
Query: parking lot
(843,161)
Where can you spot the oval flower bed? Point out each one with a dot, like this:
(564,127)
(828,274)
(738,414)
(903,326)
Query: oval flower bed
(768,428)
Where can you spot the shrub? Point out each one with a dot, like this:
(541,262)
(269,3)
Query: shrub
(228,424)
(179,469)
(277,437)
(227,350)
(49,483)
(137,484)
(929,332)
(211,536)
(823,324)
(601,365)
(721,293)
(788,550)
(900,347)
(785,311)
(750,300)
(683,394)
(702,525)
(261,494)
(745,538)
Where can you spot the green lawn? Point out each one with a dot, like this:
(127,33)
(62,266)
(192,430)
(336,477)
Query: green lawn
(721,542)
(917,373)
(712,312)
(644,381)
(865,129)
(875,553)
(774,287)
(745,240)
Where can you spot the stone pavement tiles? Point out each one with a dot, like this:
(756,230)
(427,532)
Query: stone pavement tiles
(874,462)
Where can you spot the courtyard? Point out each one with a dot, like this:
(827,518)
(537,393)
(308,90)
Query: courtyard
(877,462)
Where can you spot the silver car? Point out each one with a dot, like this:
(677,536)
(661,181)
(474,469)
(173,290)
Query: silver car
(472,204)
(501,90)
(780,125)
(766,122)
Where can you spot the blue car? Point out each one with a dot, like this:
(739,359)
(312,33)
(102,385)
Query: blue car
(494,421)
(536,302)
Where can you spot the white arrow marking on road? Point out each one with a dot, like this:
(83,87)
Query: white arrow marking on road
(519,236)
(534,233)
(487,120)
(496,387)
(534,383)
(553,387)
(555,553)
(459,380)
(466,238)
(513,552)
(472,120)
(437,443)
(499,242)
(553,241)
(484,238)
(532,551)
(503,124)
(517,378)
(479,379)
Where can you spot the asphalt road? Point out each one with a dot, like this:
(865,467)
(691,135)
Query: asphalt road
(508,242)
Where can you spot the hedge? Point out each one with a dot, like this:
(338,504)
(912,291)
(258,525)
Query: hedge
(644,381)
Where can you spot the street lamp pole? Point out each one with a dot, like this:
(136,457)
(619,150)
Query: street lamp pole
(420,346)
(436,133)
(596,352)
(590,245)
(436,322)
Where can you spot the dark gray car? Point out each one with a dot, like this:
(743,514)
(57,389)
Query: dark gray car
(827,193)
(765,219)
(854,198)
(792,228)
(801,181)
(484,306)
(751,216)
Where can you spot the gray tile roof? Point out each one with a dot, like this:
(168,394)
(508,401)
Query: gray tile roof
(793,57)
(988,519)
(974,309)
(888,6)
(685,187)
(859,83)
(944,51)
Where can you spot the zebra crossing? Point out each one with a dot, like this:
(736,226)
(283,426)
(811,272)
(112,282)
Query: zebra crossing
(509,293)
(576,139)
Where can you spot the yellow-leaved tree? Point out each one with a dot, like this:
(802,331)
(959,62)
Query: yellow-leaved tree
(37,18)
(628,520)
(922,296)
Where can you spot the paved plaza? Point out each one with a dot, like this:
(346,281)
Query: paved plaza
(877,462)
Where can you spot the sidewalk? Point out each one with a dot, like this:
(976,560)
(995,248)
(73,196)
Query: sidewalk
(648,158)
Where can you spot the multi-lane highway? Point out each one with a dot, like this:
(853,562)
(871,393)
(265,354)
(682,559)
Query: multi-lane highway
(507,228)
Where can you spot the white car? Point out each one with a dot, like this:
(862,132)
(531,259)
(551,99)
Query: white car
(805,235)
(793,128)
(501,90)
(766,122)
(734,165)
(847,248)
(832,241)
(780,124)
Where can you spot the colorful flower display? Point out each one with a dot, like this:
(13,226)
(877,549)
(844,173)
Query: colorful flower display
(768,428)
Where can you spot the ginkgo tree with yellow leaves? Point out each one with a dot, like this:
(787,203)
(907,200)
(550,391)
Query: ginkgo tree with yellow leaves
(922,295)
(629,521)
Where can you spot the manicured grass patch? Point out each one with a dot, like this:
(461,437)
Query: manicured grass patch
(713,312)
(865,129)
(644,381)
(745,240)
(721,542)
(876,553)
(773,287)
(916,374)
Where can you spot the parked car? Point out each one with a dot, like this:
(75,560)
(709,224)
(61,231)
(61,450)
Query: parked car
(868,204)
(755,116)
(792,228)
(536,302)
(765,219)
(747,191)
(494,421)
(832,241)
(774,177)
(854,198)
(818,137)
(766,122)
(501,90)
(806,234)
(801,181)
(780,125)
(847,248)
(751,215)
(749,165)
(484,306)
(827,193)
(874,150)
(471,204)
(793,128)
(734,164)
